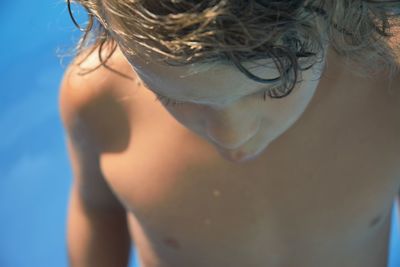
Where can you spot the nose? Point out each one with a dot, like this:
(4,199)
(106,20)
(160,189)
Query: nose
(231,134)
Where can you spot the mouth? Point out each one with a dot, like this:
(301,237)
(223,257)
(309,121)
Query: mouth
(243,153)
(239,154)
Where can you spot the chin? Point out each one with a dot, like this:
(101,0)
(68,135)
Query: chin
(240,155)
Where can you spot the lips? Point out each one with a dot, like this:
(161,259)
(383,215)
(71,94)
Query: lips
(248,150)
(239,154)
(237,145)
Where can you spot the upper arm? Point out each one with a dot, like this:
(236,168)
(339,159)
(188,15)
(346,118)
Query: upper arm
(75,99)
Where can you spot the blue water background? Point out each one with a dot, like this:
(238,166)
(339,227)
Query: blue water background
(34,166)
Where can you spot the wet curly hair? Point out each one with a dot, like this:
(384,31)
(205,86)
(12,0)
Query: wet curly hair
(181,32)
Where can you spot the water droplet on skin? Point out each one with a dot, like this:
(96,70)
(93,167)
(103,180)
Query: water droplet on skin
(216,193)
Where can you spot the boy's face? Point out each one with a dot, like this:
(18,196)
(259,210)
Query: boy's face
(225,107)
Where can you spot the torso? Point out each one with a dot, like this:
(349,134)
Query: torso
(320,195)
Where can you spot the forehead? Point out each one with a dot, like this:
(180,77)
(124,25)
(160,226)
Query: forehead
(209,83)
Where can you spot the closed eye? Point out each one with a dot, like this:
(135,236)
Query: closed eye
(167,101)
(275,90)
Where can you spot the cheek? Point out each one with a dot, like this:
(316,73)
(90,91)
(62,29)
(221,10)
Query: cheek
(189,116)
(285,111)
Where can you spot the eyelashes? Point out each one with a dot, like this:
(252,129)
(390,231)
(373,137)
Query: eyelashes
(166,101)
(274,92)
(278,92)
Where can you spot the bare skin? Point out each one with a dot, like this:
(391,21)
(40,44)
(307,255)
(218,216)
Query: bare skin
(320,195)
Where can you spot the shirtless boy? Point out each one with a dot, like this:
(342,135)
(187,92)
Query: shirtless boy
(233,167)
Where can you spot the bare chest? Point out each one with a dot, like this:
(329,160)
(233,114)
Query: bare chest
(332,176)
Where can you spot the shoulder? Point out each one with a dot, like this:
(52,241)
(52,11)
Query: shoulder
(88,97)
(85,77)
